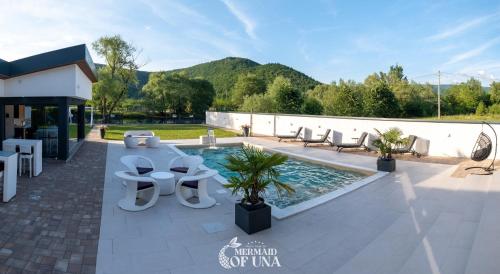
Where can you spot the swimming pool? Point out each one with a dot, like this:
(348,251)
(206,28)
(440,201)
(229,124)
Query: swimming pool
(309,180)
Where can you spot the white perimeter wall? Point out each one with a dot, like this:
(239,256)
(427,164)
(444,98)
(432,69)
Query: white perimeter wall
(63,81)
(439,138)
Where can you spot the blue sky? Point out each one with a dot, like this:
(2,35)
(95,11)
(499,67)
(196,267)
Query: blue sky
(325,39)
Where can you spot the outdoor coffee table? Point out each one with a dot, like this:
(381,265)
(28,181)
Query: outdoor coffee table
(166,180)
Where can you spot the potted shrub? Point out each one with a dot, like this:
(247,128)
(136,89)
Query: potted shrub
(256,172)
(246,130)
(385,142)
(102,130)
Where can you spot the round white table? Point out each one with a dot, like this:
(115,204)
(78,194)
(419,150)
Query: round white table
(166,181)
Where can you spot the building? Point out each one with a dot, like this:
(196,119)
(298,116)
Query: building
(43,97)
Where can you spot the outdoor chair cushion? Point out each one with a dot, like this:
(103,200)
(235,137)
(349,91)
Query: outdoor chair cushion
(144,185)
(143,170)
(180,169)
(349,145)
(190,184)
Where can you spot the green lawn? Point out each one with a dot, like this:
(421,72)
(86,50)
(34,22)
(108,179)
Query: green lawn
(166,131)
(491,118)
(73,130)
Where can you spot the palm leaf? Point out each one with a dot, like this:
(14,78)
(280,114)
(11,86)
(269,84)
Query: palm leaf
(256,170)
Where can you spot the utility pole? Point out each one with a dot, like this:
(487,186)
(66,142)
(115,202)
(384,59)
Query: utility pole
(439,94)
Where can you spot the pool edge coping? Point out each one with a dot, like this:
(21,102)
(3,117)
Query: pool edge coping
(282,213)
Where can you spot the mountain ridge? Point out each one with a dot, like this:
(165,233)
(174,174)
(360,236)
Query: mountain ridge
(223,73)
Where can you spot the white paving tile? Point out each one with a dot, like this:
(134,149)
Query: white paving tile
(416,220)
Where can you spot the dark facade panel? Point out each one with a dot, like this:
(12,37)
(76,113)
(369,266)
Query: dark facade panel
(63,128)
(4,69)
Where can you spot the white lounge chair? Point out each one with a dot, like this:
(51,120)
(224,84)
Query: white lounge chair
(144,188)
(195,186)
(138,133)
(139,165)
(131,142)
(134,138)
(185,165)
(153,142)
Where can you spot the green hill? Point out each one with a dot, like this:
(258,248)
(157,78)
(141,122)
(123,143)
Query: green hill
(223,74)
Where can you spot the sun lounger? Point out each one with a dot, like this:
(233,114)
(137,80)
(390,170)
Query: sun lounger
(323,139)
(359,144)
(408,148)
(291,136)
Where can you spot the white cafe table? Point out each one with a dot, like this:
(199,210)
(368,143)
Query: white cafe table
(36,146)
(9,160)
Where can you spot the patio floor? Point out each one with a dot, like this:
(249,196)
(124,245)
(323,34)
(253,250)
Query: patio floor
(415,220)
(52,224)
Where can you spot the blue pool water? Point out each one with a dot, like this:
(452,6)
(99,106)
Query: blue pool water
(309,180)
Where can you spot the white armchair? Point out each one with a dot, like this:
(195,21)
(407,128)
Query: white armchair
(139,165)
(184,165)
(195,186)
(141,192)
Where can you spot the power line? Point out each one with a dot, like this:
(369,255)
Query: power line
(448,75)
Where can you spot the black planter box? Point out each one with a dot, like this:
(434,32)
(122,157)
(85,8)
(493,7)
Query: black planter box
(386,165)
(246,132)
(103,132)
(252,220)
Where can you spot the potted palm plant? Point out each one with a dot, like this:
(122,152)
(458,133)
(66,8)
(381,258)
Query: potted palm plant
(256,172)
(385,143)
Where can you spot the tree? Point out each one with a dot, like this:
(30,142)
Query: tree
(481,109)
(166,93)
(287,98)
(416,100)
(178,93)
(464,97)
(258,103)
(201,97)
(495,92)
(494,109)
(320,91)
(312,106)
(247,85)
(395,76)
(116,76)
(223,104)
(379,101)
(345,99)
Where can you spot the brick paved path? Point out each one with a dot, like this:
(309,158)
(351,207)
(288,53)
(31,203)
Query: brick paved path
(52,225)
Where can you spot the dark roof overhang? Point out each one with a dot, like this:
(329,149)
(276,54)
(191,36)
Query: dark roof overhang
(4,69)
(78,55)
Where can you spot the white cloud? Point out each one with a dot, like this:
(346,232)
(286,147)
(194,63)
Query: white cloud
(28,28)
(484,71)
(473,52)
(174,34)
(247,22)
(458,29)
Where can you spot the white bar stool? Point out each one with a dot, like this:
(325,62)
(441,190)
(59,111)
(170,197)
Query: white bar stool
(25,153)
